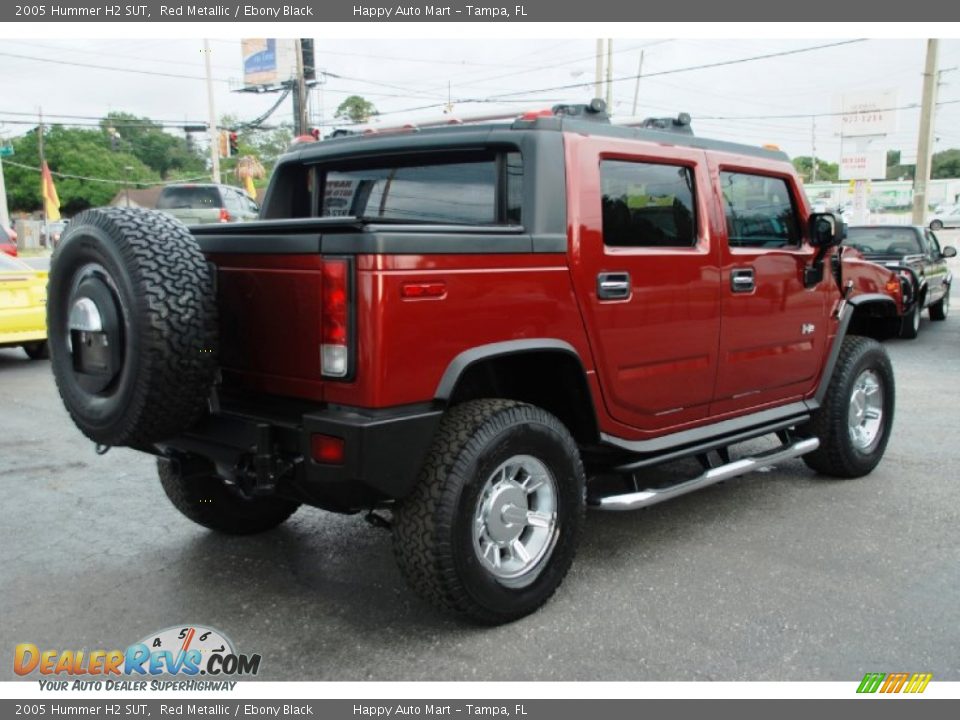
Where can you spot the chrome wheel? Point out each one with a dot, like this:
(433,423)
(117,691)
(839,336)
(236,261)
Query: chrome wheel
(865,416)
(515,523)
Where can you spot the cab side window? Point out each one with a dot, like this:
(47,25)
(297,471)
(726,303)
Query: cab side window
(759,210)
(933,245)
(647,205)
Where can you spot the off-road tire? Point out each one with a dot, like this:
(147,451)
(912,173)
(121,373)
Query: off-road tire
(209,501)
(432,527)
(939,310)
(163,292)
(837,455)
(910,323)
(39,350)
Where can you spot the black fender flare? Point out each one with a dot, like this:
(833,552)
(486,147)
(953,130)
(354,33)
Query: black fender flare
(469,357)
(845,316)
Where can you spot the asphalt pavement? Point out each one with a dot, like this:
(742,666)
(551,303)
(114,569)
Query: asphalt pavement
(779,575)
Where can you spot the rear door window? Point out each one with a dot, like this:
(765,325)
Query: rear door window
(464,189)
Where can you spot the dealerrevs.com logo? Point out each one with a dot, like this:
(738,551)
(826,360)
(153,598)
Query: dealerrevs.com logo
(181,650)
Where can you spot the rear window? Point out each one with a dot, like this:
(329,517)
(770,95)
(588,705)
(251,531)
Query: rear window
(463,189)
(889,241)
(193,198)
(4,237)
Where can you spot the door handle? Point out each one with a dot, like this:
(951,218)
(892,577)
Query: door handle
(613,286)
(742,280)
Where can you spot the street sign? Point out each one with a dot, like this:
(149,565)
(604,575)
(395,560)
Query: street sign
(6,151)
(866,113)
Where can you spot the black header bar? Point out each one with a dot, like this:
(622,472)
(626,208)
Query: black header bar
(729,11)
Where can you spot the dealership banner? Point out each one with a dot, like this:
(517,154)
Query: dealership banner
(478,11)
(185,708)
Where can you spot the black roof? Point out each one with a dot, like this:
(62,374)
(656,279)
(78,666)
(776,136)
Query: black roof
(450,133)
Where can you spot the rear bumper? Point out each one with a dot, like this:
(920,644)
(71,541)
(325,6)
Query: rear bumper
(383,451)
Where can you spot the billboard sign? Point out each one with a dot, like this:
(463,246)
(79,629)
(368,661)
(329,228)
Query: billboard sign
(267,61)
(864,165)
(866,113)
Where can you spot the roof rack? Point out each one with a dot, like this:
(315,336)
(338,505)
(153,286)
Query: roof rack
(595,110)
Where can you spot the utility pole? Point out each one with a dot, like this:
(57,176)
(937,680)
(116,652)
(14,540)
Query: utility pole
(609,75)
(636,88)
(300,92)
(813,150)
(4,210)
(598,84)
(925,143)
(43,160)
(212,130)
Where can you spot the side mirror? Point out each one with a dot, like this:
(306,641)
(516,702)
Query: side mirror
(949,251)
(826,230)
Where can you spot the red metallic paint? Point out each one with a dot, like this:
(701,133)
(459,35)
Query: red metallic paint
(681,352)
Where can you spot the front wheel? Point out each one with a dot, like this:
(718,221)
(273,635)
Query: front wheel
(941,308)
(853,423)
(491,528)
(936,225)
(38,350)
(910,323)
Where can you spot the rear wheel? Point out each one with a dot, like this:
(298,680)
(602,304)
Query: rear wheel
(936,225)
(37,350)
(853,423)
(492,526)
(940,309)
(209,501)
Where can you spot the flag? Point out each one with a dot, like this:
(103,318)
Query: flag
(51,203)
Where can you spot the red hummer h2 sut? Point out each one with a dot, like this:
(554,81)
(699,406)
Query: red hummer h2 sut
(465,329)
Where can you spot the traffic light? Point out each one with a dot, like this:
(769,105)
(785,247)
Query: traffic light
(234,144)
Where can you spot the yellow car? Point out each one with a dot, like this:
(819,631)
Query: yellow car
(23,307)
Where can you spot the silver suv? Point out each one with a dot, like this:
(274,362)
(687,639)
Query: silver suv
(196,204)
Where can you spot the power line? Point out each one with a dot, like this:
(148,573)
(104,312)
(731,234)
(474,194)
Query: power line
(113,68)
(68,176)
(690,68)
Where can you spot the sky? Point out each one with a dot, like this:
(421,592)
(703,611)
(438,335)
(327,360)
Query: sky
(766,100)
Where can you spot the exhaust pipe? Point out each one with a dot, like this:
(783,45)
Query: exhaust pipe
(645,498)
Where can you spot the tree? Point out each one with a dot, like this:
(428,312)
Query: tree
(72,151)
(148,141)
(826,171)
(897,170)
(946,164)
(356,109)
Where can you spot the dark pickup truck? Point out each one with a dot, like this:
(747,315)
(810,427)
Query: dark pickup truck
(913,252)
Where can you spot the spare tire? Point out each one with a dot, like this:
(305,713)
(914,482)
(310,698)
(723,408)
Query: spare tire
(132,327)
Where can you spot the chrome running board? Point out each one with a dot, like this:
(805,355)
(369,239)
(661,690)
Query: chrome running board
(645,498)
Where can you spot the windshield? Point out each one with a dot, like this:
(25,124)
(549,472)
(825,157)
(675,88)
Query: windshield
(180,198)
(888,241)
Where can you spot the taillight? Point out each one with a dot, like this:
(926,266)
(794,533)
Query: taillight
(327,449)
(335,334)
(224,215)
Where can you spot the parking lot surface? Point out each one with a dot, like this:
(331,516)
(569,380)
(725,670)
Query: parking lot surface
(779,575)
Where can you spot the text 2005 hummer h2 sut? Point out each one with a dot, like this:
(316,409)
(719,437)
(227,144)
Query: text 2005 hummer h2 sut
(468,328)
